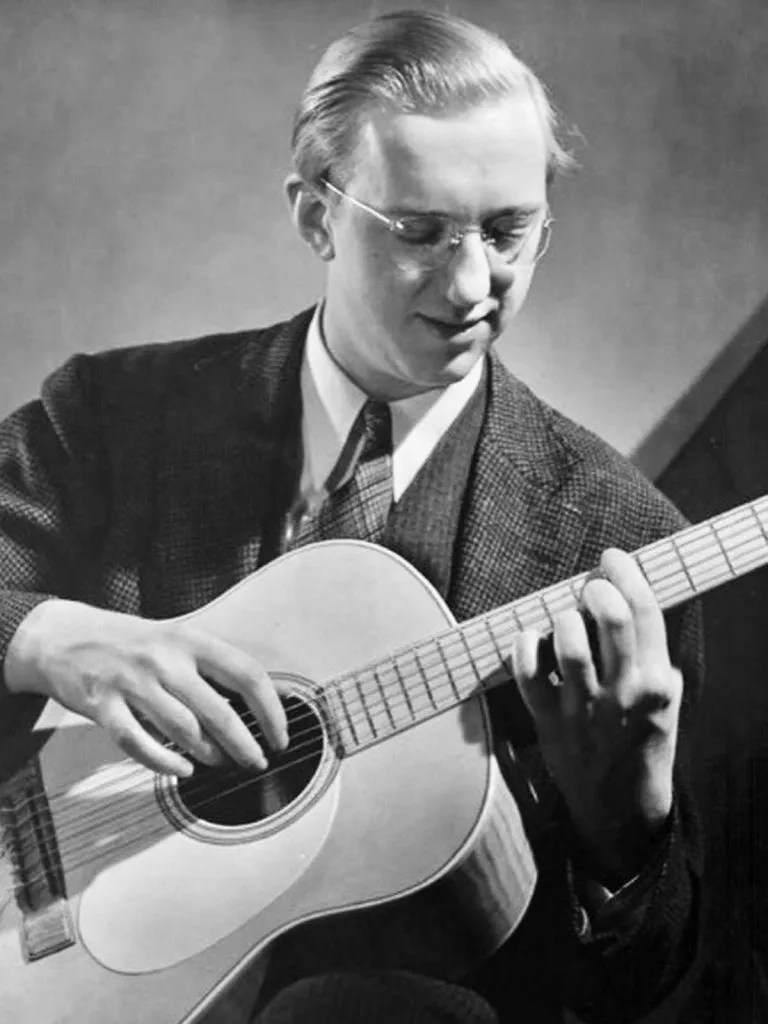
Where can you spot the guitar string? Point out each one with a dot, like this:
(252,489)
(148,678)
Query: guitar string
(436,683)
(422,669)
(474,624)
(216,796)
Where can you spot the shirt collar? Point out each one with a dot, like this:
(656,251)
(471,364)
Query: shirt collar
(331,402)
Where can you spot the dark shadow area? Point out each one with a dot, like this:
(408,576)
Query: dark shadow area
(724,464)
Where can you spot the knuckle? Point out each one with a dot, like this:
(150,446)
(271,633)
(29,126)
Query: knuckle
(123,736)
(616,617)
(185,732)
(157,658)
(216,712)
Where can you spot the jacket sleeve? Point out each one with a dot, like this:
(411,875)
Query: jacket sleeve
(51,509)
(620,975)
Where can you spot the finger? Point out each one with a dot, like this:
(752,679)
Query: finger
(616,634)
(627,576)
(540,696)
(176,721)
(238,671)
(218,718)
(120,723)
(574,656)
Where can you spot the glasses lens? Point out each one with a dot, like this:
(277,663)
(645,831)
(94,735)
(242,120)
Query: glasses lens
(428,242)
(531,248)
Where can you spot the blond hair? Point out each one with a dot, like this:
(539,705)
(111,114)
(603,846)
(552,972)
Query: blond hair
(410,62)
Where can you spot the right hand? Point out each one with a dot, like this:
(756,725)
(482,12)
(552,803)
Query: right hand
(118,669)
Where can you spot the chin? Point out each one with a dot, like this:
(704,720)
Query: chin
(453,370)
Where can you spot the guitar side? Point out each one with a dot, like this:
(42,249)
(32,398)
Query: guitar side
(416,837)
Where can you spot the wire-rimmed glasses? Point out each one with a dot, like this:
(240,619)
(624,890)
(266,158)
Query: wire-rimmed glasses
(430,239)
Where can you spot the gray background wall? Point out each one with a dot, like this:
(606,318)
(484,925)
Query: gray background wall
(143,144)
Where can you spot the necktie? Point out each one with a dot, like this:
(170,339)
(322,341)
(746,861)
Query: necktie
(357,496)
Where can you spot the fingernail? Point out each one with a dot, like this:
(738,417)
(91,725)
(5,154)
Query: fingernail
(210,755)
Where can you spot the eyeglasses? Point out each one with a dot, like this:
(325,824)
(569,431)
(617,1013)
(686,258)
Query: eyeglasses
(428,240)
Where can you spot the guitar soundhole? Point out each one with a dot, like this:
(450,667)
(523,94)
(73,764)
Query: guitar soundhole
(232,795)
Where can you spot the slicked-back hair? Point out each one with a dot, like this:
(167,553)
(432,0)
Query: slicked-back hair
(422,62)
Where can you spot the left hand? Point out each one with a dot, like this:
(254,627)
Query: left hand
(608,732)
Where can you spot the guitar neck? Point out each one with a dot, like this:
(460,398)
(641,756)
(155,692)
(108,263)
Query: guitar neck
(415,683)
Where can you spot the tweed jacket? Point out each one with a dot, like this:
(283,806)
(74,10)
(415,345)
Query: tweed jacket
(139,480)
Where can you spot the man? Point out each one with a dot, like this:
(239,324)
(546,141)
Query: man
(147,481)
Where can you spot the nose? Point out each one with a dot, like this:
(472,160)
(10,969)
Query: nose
(472,273)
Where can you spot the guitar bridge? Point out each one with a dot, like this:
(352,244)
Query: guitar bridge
(30,854)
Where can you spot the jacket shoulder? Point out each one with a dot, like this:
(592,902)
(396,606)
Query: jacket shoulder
(138,381)
(619,504)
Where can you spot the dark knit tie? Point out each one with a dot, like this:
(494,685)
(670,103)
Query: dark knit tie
(358,492)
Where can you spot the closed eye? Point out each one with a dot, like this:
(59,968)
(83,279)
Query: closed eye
(427,229)
(508,228)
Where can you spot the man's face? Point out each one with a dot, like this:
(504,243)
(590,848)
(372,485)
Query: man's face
(395,327)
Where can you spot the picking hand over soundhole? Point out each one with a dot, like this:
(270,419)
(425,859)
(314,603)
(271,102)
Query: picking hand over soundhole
(227,799)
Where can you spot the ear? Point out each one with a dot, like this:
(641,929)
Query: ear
(310,217)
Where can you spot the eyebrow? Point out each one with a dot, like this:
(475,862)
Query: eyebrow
(525,209)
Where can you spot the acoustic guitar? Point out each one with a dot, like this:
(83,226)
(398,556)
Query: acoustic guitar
(128,896)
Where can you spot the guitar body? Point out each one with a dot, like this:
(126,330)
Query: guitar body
(410,852)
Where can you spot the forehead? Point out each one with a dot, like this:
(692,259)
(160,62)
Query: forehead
(485,158)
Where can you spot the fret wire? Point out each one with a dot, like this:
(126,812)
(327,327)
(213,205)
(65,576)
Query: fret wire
(701,555)
(547,612)
(743,550)
(745,538)
(559,599)
(697,542)
(640,562)
(575,592)
(404,689)
(735,528)
(516,616)
(657,548)
(470,656)
(486,660)
(535,619)
(759,522)
(759,506)
(420,696)
(403,680)
(427,685)
(384,698)
(364,706)
(692,562)
(347,715)
(675,545)
(494,641)
(713,528)
(669,567)
(448,670)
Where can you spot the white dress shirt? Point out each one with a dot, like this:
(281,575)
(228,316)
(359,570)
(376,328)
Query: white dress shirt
(331,403)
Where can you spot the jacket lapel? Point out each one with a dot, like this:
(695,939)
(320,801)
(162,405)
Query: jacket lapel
(517,535)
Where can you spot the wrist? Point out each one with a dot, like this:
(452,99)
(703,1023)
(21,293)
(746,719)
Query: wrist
(616,855)
(23,657)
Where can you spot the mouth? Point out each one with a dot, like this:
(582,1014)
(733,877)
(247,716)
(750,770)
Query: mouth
(463,331)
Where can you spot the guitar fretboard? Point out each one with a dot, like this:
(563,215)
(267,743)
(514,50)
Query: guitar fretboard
(437,673)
